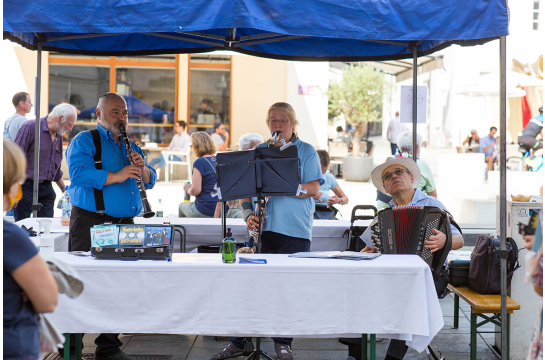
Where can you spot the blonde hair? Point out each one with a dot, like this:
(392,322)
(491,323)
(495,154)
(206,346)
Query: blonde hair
(202,144)
(14,165)
(287,109)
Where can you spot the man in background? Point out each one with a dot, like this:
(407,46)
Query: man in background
(22,103)
(395,128)
(342,136)
(61,119)
(219,130)
(180,141)
(486,145)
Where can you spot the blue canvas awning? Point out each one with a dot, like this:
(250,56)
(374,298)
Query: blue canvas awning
(327,30)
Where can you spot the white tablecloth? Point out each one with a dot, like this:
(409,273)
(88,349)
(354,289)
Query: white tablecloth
(58,231)
(392,296)
(326,234)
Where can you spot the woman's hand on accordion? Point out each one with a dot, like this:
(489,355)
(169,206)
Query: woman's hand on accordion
(367,249)
(437,241)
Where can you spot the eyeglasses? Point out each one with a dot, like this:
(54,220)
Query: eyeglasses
(281,122)
(397,172)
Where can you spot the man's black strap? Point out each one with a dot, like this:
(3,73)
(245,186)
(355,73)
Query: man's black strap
(99,197)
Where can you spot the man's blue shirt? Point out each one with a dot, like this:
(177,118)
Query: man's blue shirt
(120,199)
(486,142)
(419,199)
(289,215)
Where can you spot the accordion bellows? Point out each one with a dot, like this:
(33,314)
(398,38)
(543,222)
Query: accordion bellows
(403,230)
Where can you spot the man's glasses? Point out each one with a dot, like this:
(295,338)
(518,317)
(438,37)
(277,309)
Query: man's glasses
(397,172)
(281,122)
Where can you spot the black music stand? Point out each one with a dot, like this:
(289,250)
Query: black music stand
(262,172)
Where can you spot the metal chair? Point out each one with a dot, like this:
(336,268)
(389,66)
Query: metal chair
(169,164)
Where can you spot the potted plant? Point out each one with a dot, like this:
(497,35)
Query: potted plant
(358,96)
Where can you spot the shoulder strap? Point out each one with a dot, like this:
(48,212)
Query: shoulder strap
(452,222)
(99,196)
(7,125)
(209,163)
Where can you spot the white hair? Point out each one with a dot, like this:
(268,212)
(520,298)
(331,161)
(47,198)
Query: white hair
(64,110)
(246,140)
(405,141)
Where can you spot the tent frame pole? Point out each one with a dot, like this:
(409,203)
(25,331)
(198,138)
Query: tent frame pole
(415,94)
(503,201)
(36,206)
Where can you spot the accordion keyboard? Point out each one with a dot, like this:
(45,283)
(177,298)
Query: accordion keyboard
(426,253)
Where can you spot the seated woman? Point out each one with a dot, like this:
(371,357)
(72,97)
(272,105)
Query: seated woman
(29,286)
(323,200)
(246,142)
(204,178)
(472,141)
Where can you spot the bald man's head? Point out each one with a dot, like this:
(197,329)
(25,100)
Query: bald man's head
(112,112)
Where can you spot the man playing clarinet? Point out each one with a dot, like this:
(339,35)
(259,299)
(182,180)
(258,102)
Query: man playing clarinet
(399,178)
(104,188)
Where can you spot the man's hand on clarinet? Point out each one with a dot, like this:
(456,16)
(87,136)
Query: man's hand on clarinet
(252,223)
(137,160)
(437,241)
(130,171)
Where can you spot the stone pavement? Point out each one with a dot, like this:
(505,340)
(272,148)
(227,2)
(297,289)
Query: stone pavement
(452,343)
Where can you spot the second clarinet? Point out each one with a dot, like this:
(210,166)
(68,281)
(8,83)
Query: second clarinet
(145,203)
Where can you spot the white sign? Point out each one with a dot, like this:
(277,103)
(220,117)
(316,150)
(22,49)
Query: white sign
(406,108)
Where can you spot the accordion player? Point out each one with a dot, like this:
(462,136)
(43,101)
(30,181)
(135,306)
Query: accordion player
(404,230)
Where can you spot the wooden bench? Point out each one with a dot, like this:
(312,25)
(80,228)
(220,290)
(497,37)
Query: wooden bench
(481,304)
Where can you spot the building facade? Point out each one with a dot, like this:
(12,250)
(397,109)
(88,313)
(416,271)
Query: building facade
(235,90)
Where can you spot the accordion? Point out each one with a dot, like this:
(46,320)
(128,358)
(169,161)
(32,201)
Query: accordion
(403,230)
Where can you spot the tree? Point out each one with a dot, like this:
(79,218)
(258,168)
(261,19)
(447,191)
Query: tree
(358,96)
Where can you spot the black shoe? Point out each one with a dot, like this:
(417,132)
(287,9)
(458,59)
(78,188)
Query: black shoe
(119,356)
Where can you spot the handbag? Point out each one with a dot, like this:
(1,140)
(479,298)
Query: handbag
(325,212)
(484,266)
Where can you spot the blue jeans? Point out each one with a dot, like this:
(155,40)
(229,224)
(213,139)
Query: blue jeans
(161,159)
(275,243)
(46,196)
(394,148)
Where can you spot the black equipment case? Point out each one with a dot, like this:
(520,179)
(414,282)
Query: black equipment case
(132,252)
(458,272)
(141,252)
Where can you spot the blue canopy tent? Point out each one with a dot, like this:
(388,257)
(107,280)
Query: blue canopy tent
(315,30)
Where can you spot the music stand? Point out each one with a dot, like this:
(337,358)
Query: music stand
(262,172)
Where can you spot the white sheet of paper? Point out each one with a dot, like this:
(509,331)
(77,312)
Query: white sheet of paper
(406,107)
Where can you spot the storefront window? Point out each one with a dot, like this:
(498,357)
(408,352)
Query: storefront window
(150,100)
(147,83)
(80,86)
(209,92)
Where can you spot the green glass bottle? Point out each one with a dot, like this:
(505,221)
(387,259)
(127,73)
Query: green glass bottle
(229,248)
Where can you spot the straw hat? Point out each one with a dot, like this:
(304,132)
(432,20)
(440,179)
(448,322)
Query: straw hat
(406,162)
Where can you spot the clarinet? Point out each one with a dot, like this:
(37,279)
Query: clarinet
(147,208)
(273,139)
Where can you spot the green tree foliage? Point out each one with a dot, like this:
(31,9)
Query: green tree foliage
(358,96)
